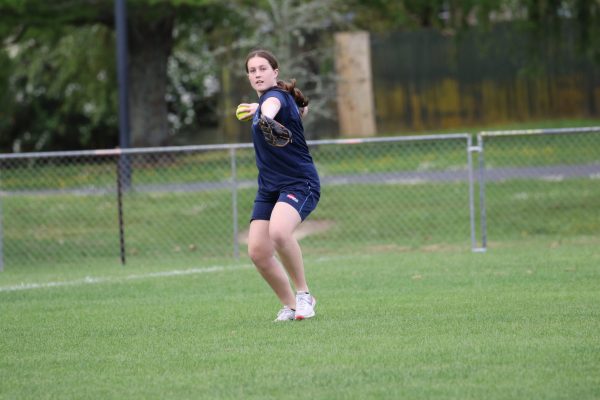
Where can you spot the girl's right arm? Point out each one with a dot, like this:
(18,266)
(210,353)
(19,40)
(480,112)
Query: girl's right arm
(270,107)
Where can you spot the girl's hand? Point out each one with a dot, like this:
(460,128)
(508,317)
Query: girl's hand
(303,111)
(246,111)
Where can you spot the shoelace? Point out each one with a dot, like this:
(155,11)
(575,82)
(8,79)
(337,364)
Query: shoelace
(303,302)
(285,314)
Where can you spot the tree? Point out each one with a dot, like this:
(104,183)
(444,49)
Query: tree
(40,27)
(57,96)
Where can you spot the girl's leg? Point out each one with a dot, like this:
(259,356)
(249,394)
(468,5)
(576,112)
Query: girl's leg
(262,252)
(284,220)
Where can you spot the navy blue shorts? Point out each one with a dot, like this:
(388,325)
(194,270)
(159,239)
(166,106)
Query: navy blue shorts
(304,200)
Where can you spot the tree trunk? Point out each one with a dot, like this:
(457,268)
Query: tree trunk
(150,44)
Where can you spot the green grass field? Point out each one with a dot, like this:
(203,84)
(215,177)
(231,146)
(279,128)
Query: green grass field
(519,322)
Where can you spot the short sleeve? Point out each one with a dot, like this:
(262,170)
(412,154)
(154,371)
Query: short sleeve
(278,95)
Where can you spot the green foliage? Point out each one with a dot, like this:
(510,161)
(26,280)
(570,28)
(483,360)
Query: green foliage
(62,85)
(547,17)
(59,64)
(539,17)
(193,70)
(386,15)
(6,103)
(40,13)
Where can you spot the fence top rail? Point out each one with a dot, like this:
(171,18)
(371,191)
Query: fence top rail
(550,131)
(209,147)
(414,138)
(117,151)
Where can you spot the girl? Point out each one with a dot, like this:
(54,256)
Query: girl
(288,187)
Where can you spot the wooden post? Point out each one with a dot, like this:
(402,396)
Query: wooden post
(356,109)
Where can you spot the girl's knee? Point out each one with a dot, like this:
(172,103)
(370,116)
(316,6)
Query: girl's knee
(258,253)
(280,237)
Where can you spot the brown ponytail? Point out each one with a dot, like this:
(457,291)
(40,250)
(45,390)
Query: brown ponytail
(299,98)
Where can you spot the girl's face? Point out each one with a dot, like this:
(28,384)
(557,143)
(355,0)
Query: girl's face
(261,75)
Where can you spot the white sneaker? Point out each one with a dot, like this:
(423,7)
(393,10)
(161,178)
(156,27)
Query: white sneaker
(305,306)
(285,314)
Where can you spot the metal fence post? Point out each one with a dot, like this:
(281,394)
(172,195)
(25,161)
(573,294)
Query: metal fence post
(471,193)
(482,209)
(236,242)
(470,150)
(122,169)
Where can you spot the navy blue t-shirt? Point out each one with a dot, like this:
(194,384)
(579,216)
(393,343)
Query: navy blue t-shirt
(289,166)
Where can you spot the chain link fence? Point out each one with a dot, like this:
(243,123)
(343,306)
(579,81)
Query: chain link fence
(189,203)
(540,184)
(181,205)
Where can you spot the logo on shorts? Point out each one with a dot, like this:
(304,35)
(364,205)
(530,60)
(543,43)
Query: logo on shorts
(292,197)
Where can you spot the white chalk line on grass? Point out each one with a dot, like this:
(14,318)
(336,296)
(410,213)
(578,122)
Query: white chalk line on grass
(89,280)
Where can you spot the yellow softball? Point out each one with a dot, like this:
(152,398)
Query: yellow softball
(243,112)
